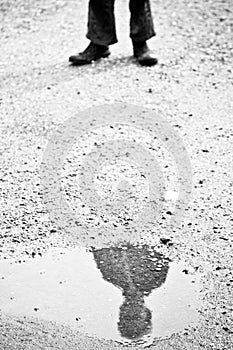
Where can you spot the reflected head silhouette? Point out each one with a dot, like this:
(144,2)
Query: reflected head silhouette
(136,270)
(135,319)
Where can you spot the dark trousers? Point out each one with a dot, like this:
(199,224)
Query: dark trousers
(101,21)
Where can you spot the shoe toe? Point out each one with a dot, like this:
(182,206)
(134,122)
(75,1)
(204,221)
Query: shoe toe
(78,60)
(147,59)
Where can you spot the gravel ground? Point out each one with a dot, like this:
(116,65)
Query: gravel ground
(191,87)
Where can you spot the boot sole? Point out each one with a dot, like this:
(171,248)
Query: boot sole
(148,63)
(80,62)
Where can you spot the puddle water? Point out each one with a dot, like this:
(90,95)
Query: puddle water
(128,294)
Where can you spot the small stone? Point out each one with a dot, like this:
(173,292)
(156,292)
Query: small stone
(53,230)
(226,329)
(165,240)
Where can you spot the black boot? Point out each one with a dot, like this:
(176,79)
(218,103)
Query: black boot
(143,54)
(93,52)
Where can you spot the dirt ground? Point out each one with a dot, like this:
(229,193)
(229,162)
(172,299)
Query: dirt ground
(191,87)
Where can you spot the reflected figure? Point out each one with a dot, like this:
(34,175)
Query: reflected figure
(136,270)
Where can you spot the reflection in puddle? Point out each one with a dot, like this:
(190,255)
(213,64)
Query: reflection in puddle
(128,294)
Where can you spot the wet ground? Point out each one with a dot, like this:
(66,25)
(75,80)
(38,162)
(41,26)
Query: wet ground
(192,88)
(129,294)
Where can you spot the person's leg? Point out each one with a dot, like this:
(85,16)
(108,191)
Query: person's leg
(142,29)
(101,22)
(101,32)
(141,21)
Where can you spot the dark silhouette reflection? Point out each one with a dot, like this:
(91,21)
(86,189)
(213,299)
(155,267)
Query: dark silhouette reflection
(136,270)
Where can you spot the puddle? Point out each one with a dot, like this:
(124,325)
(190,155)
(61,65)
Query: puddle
(129,294)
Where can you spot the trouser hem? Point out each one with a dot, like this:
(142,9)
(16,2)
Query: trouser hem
(98,41)
(143,38)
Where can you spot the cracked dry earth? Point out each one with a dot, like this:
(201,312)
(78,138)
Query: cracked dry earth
(191,87)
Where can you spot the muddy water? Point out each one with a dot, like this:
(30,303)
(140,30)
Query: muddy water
(128,294)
